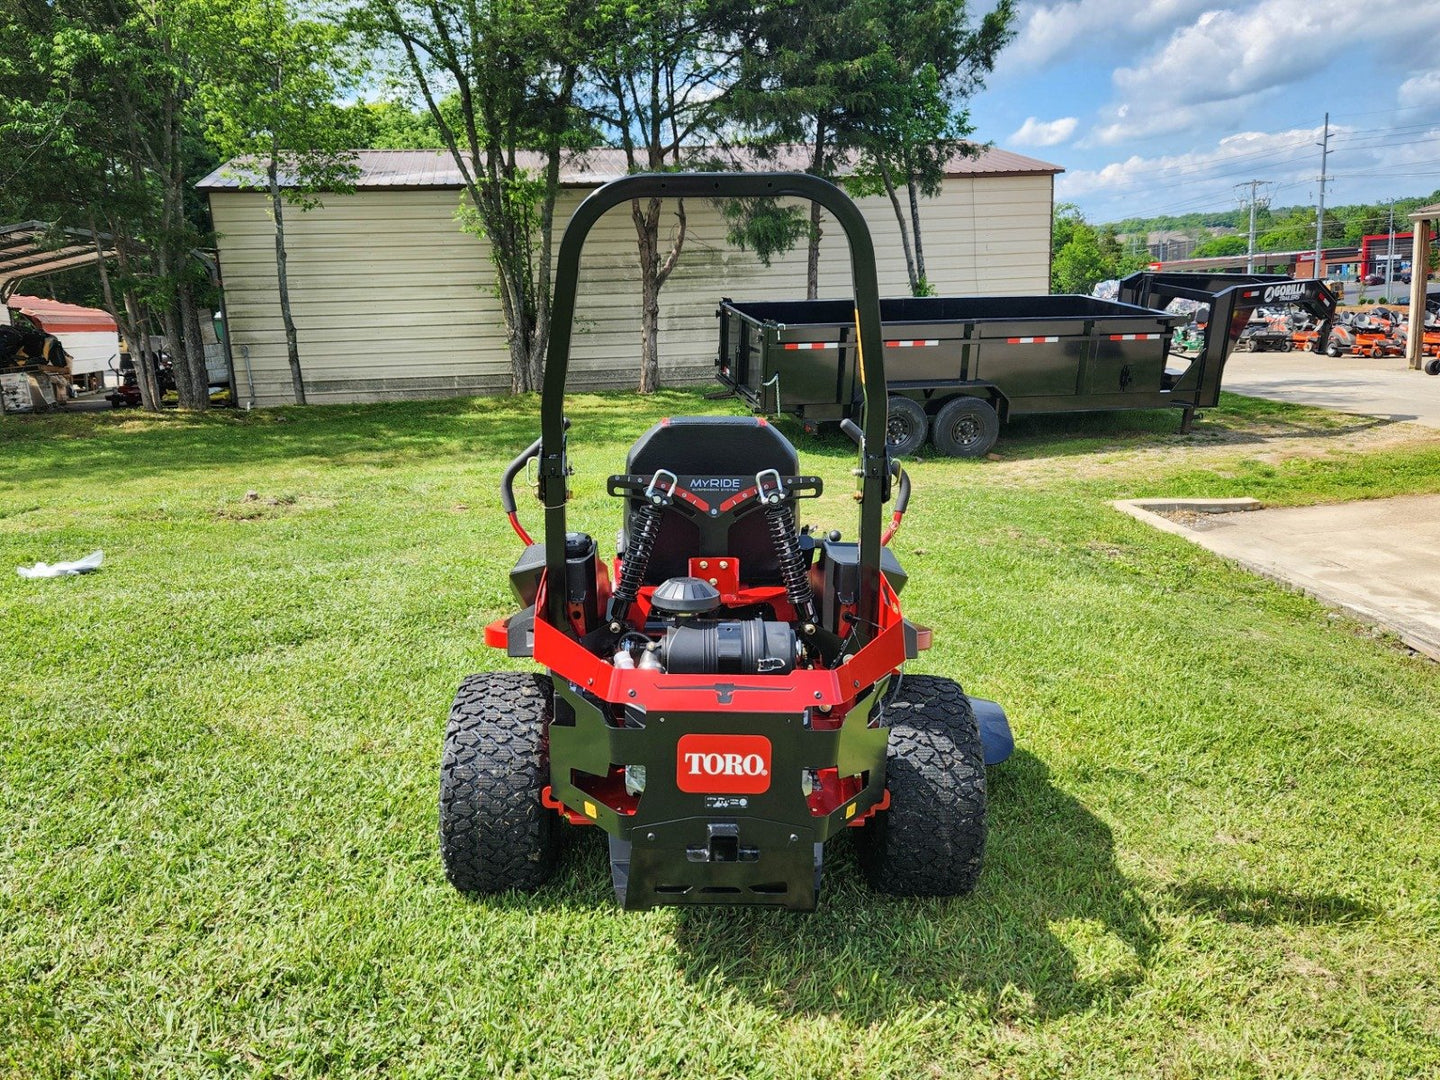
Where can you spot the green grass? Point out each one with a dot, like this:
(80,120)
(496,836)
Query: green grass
(1215,854)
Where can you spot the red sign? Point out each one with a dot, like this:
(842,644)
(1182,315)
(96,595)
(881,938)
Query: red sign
(723,764)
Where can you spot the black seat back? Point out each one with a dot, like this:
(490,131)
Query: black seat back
(715,457)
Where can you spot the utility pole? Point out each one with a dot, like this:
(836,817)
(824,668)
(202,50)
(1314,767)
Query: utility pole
(1390,252)
(1320,209)
(1254,186)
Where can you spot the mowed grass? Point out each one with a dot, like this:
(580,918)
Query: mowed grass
(1216,852)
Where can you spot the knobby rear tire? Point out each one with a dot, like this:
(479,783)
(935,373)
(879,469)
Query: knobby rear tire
(931,840)
(494,833)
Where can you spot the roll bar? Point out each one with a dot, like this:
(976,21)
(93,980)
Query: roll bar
(874,463)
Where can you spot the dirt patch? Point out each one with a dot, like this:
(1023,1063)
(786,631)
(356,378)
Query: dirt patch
(1271,441)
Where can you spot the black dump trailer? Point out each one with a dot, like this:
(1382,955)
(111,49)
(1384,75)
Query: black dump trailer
(958,366)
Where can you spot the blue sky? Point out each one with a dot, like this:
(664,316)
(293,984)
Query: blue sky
(1165,106)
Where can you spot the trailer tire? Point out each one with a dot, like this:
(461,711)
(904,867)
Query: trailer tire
(494,834)
(931,839)
(966,427)
(906,426)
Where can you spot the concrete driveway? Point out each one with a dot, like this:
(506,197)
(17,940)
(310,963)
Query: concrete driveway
(1352,384)
(1378,559)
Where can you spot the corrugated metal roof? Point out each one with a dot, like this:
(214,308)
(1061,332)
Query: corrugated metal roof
(391,169)
(57,317)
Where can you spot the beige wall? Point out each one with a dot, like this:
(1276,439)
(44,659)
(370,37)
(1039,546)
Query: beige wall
(393,300)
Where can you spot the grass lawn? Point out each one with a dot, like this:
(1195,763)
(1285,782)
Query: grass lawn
(1216,852)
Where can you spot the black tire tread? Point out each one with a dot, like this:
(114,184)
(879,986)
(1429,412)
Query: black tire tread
(494,833)
(931,840)
(983,412)
(919,422)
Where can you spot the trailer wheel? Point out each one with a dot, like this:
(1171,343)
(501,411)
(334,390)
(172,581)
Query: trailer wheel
(906,426)
(931,840)
(966,427)
(494,834)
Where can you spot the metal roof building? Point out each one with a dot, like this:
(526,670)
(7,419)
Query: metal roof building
(393,299)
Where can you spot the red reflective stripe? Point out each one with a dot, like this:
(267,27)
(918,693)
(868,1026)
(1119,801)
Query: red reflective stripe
(915,343)
(1135,337)
(1029,340)
(812,344)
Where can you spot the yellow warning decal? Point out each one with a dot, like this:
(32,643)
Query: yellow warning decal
(859,349)
(849,811)
(590,810)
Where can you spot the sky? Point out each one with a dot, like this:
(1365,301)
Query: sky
(1165,106)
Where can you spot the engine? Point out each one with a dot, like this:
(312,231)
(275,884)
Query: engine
(695,644)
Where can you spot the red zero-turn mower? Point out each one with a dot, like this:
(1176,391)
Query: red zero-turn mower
(728,694)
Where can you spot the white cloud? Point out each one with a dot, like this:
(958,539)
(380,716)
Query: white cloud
(1225,56)
(1044,132)
(1419,92)
(1138,175)
(1048,32)
(1375,163)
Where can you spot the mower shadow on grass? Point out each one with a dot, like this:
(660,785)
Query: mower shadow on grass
(1053,928)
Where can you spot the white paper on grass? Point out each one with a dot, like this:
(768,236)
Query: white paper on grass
(86,565)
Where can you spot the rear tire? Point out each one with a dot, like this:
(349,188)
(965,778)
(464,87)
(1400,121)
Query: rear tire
(1332,350)
(966,427)
(931,840)
(494,834)
(906,426)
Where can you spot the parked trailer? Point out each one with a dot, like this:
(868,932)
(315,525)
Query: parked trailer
(958,366)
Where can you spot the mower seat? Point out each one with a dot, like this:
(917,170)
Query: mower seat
(723,450)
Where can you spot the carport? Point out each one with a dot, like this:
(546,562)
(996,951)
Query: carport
(30,250)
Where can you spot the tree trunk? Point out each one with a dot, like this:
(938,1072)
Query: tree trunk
(195,346)
(812,255)
(921,285)
(138,336)
(653,275)
(292,341)
(904,231)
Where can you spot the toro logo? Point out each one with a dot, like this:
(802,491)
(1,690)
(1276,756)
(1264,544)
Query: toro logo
(728,764)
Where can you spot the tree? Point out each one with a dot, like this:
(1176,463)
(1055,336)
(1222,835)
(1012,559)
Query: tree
(658,83)
(1223,245)
(802,79)
(929,62)
(103,92)
(270,107)
(393,125)
(1082,256)
(512,68)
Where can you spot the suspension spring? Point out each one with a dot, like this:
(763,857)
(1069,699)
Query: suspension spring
(792,563)
(646,529)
